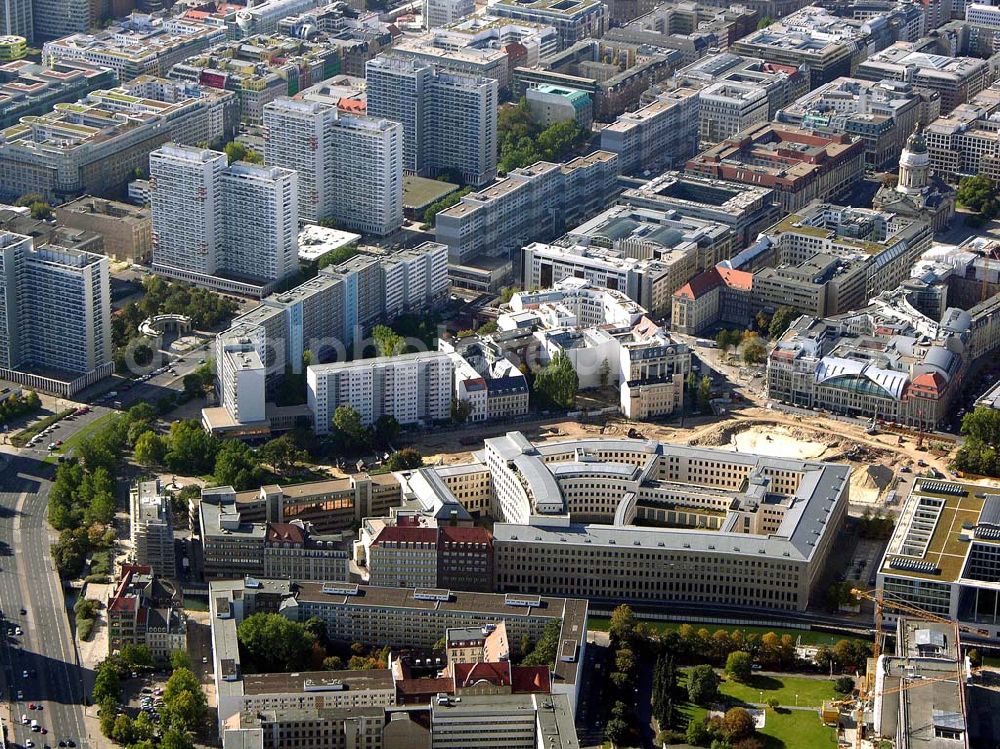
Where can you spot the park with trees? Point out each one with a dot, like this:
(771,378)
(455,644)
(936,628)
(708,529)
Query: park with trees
(705,685)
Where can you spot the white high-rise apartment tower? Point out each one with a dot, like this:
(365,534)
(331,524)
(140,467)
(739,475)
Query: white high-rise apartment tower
(187,209)
(449,119)
(55,315)
(232,228)
(350,167)
(299,135)
(261,209)
(368,174)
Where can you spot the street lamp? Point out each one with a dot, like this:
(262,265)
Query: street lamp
(796,700)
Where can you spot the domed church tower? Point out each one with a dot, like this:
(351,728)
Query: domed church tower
(914,164)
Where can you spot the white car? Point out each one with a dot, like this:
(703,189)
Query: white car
(29,743)
(24,674)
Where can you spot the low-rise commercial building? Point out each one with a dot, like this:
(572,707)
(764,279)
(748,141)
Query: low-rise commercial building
(127,230)
(326,507)
(141,611)
(614,87)
(550,104)
(798,164)
(234,547)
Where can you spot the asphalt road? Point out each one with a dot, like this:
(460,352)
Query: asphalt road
(28,580)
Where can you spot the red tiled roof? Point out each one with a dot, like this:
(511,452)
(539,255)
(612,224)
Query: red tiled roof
(932,382)
(357,106)
(530,679)
(465,534)
(467,674)
(398,534)
(700,285)
(735,279)
(285,532)
(424,686)
(122,603)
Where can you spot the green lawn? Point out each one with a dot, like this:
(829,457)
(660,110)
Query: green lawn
(809,637)
(195,604)
(85,432)
(789,729)
(795,729)
(811,692)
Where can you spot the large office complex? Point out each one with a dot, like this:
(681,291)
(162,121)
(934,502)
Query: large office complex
(96,145)
(943,556)
(746,209)
(573,20)
(662,134)
(900,359)
(964,142)
(27,88)
(412,388)
(55,316)
(783,84)
(228,227)
(824,260)
(449,119)
(350,166)
(472,696)
(955,79)
(537,201)
(798,164)
(817,41)
(641,521)
(882,114)
(138,45)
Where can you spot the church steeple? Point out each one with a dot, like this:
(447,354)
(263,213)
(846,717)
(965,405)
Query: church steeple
(914,164)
